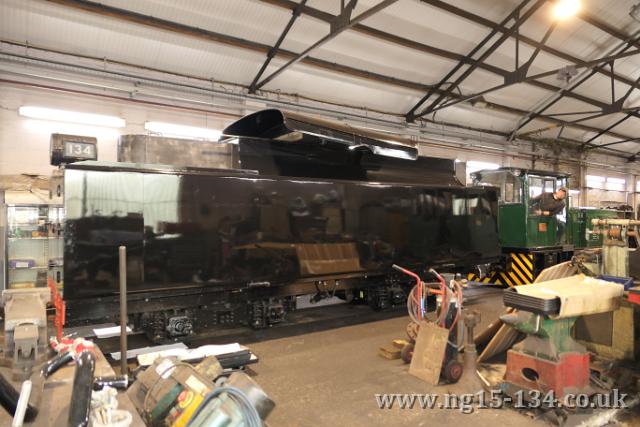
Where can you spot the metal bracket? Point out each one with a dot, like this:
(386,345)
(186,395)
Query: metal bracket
(520,73)
(342,20)
(614,107)
(517,75)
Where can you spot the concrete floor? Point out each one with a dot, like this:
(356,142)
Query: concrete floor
(330,379)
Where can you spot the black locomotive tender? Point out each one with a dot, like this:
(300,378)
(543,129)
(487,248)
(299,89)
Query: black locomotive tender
(317,208)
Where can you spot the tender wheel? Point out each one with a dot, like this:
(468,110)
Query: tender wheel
(407,352)
(453,371)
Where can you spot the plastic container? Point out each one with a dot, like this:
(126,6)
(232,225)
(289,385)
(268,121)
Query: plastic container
(626,281)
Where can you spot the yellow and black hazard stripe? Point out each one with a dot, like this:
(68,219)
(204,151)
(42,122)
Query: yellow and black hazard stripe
(475,278)
(519,273)
(522,267)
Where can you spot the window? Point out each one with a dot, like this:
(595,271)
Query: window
(606,183)
(539,185)
(616,184)
(574,198)
(509,184)
(512,190)
(595,181)
(638,187)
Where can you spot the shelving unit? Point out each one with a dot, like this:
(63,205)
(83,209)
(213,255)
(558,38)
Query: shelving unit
(34,244)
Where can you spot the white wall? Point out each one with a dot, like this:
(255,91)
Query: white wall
(24,142)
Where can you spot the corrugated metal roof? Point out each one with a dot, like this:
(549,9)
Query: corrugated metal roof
(79,32)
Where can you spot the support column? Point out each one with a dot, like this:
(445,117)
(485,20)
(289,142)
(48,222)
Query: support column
(634,195)
(584,197)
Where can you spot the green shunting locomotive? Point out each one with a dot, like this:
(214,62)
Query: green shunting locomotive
(532,241)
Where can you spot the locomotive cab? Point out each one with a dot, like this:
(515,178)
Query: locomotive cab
(530,240)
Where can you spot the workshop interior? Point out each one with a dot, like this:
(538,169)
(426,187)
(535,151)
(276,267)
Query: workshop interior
(245,213)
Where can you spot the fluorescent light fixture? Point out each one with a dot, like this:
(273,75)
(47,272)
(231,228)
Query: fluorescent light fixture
(474,166)
(47,127)
(565,9)
(53,114)
(182,131)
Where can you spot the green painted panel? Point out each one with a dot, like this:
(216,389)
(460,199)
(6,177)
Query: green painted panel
(512,225)
(542,231)
(580,222)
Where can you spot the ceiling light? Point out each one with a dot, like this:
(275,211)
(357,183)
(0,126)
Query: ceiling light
(567,73)
(47,127)
(71,117)
(566,9)
(182,131)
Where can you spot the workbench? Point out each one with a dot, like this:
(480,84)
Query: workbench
(53,399)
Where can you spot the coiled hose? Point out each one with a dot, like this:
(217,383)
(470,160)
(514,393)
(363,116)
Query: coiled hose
(249,412)
(416,303)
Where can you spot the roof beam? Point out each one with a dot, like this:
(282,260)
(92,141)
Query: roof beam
(272,52)
(603,26)
(609,144)
(616,105)
(375,33)
(582,15)
(469,16)
(519,20)
(558,96)
(210,36)
(432,50)
(341,23)
(185,30)
(608,128)
(515,14)
(523,78)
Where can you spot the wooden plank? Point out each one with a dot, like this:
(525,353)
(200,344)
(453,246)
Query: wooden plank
(400,343)
(483,338)
(390,353)
(502,341)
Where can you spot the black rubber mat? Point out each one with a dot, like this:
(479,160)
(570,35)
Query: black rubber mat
(512,298)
